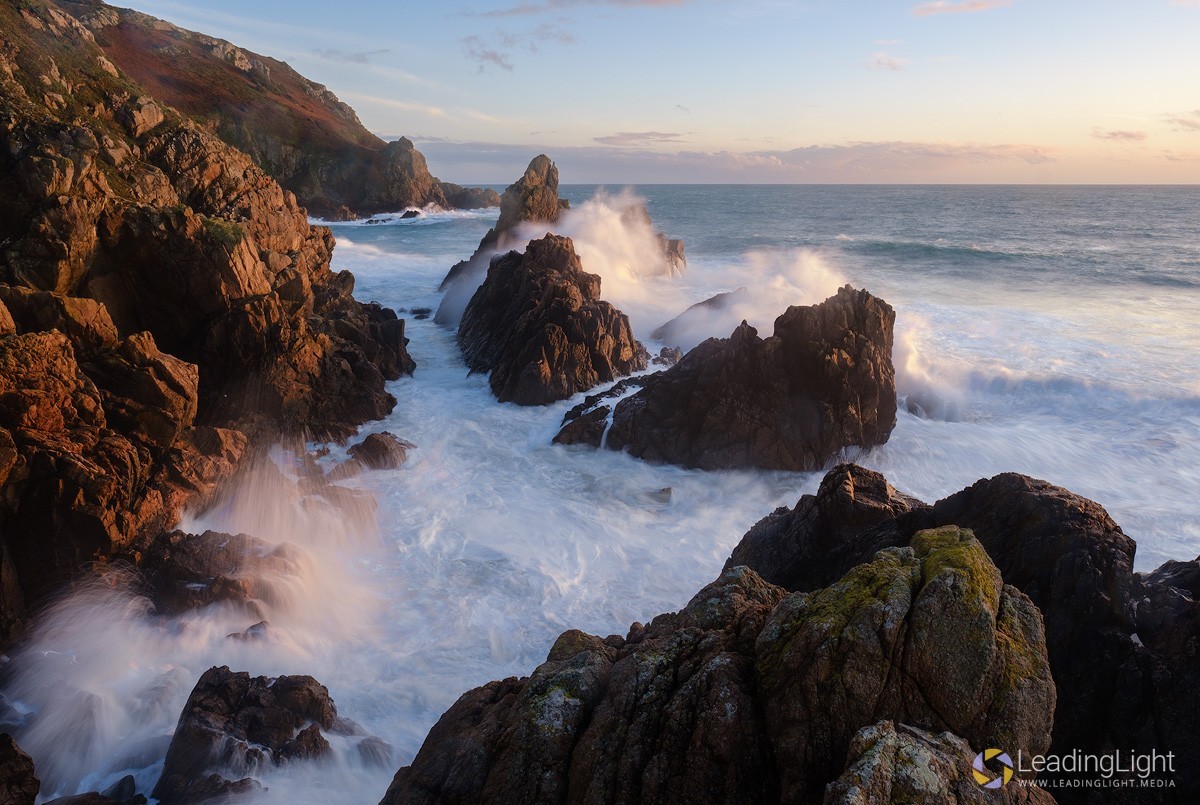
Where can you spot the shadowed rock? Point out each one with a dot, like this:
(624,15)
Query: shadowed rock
(538,325)
(823,382)
(749,694)
(19,784)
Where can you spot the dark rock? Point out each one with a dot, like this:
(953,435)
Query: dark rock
(1121,646)
(619,389)
(234,722)
(683,329)
(470,198)
(889,762)
(408,214)
(186,571)
(586,429)
(667,356)
(539,326)
(532,198)
(257,633)
(122,790)
(823,382)
(747,695)
(381,451)
(96,798)
(19,784)
(376,753)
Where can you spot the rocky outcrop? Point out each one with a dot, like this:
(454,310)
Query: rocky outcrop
(1121,645)
(745,695)
(19,784)
(684,331)
(99,444)
(532,198)
(890,762)
(538,325)
(636,217)
(293,128)
(823,382)
(234,723)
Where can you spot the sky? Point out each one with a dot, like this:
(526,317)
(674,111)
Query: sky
(650,91)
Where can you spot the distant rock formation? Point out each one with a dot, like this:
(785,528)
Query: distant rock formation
(823,382)
(538,325)
(532,198)
(750,694)
(234,724)
(674,261)
(296,130)
(682,330)
(1117,641)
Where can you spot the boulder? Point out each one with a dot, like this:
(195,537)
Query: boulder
(233,723)
(19,784)
(538,325)
(381,451)
(1121,645)
(749,694)
(823,382)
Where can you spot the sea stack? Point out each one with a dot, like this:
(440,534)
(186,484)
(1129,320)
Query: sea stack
(539,326)
(823,382)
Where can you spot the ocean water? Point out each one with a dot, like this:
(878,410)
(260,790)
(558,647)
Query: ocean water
(1057,329)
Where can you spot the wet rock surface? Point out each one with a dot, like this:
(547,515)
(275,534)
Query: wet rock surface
(538,325)
(19,784)
(744,695)
(823,382)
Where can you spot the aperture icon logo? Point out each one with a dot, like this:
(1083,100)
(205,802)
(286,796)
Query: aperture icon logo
(985,776)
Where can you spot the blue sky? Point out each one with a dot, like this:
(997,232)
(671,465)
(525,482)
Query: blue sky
(628,91)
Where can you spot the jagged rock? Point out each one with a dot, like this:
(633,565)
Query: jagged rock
(234,723)
(186,571)
(823,382)
(667,356)
(889,762)
(294,129)
(19,784)
(746,695)
(1121,646)
(539,326)
(532,198)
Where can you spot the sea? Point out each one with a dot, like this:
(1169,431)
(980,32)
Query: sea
(1051,331)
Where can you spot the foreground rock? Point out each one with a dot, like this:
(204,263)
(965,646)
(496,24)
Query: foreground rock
(293,128)
(1120,644)
(531,199)
(538,325)
(745,695)
(890,762)
(823,382)
(19,784)
(234,723)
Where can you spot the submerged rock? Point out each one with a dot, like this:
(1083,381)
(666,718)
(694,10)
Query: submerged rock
(233,724)
(538,325)
(746,695)
(823,382)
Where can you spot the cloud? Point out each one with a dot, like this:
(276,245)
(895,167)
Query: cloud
(1188,121)
(957,6)
(1119,136)
(477,50)
(404,106)
(681,108)
(364,57)
(882,61)
(639,138)
(559,5)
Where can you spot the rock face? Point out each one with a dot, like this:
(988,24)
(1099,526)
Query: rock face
(293,128)
(233,722)
(823,382)
(164,302)
(539,326)
(19,784)
(1121,645)
(744,696)
(532,198)
(890,762)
